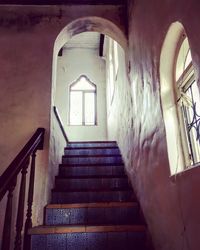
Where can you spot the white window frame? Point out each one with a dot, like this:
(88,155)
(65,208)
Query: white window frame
(84,92)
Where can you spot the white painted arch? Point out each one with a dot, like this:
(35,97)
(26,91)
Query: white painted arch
(85,24)
(167,92)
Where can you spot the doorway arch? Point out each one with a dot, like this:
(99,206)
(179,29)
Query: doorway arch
(84,24)
(75,27)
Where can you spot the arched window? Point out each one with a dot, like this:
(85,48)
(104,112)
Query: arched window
(180,100)
(82,102)
(188,102)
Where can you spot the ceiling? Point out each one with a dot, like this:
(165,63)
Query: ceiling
(89,40)
(63,2)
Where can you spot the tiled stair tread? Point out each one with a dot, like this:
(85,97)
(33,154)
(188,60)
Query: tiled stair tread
(91,148)
(90,142)
(92,151)
(92,196)
(92,156)
(86,229)
(91,171)
(94,205)
(91,164)
(121,189)
(93,177)
(90,183)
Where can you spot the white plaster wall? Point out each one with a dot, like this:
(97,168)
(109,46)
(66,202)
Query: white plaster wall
(73,63)
(170,204)
(119,79)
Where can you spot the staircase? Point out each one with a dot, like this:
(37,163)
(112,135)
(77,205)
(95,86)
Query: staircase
(93,207)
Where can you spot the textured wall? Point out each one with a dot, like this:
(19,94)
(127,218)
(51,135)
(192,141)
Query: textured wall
(27,37)
(171,205)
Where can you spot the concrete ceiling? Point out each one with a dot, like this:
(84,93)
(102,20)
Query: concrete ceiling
(89,40)
(65,2)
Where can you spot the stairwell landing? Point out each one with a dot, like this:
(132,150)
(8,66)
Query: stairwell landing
(93,207)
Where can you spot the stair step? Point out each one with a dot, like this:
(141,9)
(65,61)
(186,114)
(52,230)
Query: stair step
(93,159)
(90,183)
(85,196)
(86,229)
(92,151)
(93,205)
(92,164)
(91,170)
(92,213)
(89,238)
(91,144)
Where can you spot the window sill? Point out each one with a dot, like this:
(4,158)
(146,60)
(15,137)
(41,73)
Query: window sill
(186,171)
(82,125)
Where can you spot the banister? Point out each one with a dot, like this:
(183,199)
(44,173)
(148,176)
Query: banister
(8,181)
(36,142)
(60,123)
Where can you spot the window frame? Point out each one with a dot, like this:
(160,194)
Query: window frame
(185,81)
(83,101)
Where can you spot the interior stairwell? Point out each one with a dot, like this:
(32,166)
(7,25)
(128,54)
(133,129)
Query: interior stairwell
(93,207)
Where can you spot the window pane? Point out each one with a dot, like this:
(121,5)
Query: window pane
(76,111)
(83,84)
(89,108)
(196,97)
(192,122)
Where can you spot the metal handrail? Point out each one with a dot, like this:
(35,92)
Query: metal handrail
(60,123)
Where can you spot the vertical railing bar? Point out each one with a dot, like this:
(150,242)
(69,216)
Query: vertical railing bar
(28,223)
(8,183)
(8,218)
(20,212)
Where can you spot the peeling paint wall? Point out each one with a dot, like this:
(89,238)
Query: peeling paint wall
(170,204)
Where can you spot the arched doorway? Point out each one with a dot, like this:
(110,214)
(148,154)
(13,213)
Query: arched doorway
(86,24)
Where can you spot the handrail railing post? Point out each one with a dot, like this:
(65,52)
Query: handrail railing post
(20,212)
(28,223)
(8,218)
(8,182)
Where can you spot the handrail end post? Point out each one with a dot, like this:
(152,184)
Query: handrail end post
(41,144)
